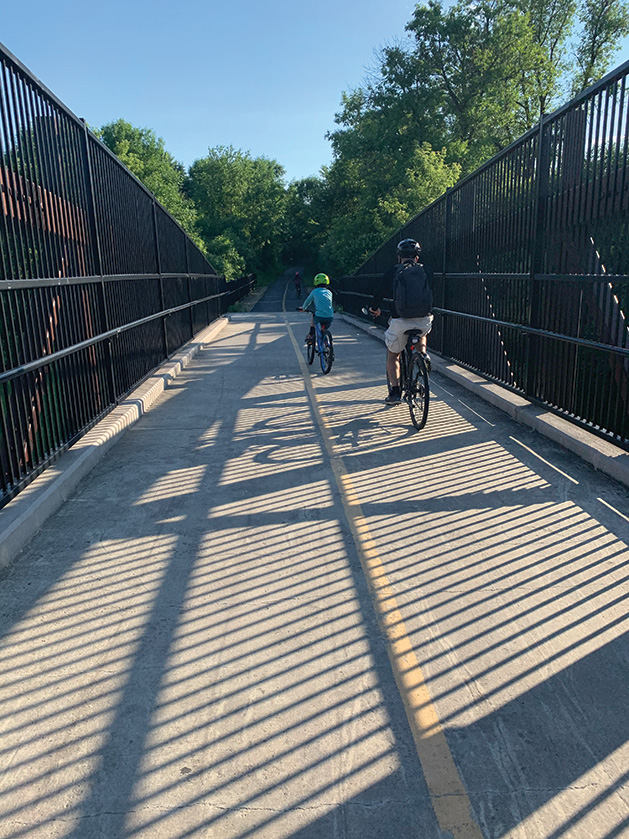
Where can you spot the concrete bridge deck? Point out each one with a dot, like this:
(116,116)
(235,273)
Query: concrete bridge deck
(275,610)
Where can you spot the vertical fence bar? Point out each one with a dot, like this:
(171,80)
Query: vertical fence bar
(447,211)
(98,264)
(161,278)
(538,247)
(191,310)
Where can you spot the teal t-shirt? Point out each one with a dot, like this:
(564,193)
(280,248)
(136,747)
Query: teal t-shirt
(321,299)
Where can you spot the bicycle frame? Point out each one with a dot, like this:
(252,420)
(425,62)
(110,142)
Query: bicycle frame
(406,356)
(322,346)
(414,380)
(319,330)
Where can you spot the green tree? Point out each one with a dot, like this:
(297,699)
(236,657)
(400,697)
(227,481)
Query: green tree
(370,210)
(603,22)
(489,67)
(550,24)
(474,77)
(241,203)
(306,224)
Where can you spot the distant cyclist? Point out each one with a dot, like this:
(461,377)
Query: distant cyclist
(319,302)
(420,281)
(297,281)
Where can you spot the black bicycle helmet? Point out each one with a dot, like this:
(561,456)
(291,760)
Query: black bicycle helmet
(409,248)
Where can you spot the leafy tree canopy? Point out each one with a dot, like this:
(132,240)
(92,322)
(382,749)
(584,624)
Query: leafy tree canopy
(369,212)
(474,77)
(241,204)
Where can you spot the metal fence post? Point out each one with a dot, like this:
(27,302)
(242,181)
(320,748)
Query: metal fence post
(158,259)
(538,250)
(98,265)
(189,289)
(444,264)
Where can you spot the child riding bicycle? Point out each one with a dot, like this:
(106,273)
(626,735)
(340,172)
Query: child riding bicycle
(319,303)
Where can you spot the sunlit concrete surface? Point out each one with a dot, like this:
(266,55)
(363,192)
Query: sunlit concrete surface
(190,647)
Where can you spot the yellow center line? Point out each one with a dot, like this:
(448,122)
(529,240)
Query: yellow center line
(448,795)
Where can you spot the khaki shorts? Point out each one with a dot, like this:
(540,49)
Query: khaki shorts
(395,337)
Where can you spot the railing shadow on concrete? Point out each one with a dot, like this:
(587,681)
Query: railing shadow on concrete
(223,674)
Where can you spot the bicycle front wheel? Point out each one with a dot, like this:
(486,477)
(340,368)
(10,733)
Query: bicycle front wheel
(418,391)
(327,352)
(310,349)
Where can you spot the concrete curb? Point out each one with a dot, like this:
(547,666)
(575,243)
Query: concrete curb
(251,299)
(601,454)
(24,515)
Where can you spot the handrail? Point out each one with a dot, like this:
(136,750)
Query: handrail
(45,360)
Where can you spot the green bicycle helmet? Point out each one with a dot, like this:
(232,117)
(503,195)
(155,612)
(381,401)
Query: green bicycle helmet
(321,279)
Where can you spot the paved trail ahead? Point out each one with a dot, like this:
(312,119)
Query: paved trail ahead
(276,610)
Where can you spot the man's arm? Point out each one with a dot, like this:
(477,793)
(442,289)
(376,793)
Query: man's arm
(382,289)
(376,300)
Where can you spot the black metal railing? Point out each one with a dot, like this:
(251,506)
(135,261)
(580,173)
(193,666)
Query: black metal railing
(531,261)
(98,283)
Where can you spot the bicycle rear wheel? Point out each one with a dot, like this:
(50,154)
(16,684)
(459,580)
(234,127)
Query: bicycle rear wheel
(418,391)
(327,352)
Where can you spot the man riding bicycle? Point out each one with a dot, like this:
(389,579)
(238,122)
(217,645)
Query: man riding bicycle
(408,253)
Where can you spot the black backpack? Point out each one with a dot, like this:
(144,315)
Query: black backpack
(412,294)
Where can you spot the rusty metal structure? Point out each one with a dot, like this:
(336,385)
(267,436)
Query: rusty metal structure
(98,283)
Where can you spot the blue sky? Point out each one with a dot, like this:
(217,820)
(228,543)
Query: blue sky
(265,77)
